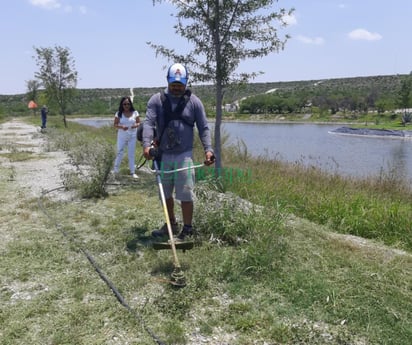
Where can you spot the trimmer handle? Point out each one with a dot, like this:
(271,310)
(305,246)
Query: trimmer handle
(212,160)
(153,152)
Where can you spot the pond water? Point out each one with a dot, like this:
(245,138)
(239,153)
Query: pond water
(315,145)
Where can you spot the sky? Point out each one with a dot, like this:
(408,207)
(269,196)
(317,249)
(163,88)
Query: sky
(107,39)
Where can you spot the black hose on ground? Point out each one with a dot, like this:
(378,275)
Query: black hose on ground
(101,274)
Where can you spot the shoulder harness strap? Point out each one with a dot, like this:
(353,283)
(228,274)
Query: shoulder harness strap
(177,113)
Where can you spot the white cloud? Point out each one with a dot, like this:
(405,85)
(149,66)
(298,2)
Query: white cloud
(365,35)
(47,4)
(56,4)
(310,40)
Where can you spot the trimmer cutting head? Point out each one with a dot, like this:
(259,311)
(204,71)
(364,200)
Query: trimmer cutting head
(177,278)
(187,245)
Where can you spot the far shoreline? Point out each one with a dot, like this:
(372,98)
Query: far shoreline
(212,120)
(254,121)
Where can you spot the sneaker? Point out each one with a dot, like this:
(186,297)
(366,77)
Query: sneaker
(187,231)
(163,230)
(134,176)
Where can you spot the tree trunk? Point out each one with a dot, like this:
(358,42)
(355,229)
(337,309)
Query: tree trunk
(218,141)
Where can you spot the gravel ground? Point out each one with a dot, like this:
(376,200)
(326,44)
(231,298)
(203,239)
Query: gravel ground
(42,171)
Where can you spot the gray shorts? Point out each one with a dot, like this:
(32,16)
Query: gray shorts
(181,182)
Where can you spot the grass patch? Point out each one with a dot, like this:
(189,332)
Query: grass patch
(270,268)
(376,207)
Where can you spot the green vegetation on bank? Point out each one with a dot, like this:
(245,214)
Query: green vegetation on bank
(377,207)
(280,274)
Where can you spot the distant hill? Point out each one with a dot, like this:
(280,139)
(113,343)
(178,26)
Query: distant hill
(105,101)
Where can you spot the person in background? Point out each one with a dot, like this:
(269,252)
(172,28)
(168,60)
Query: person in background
(173,115)
(44,111)
(126,121)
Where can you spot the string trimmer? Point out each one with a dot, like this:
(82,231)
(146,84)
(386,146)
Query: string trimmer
(177,277)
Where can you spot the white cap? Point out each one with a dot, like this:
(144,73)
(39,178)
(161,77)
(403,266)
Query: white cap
(177,73)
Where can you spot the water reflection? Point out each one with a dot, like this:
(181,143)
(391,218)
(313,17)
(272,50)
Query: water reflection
(397,162)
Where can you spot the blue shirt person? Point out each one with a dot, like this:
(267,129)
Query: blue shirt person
(44,112)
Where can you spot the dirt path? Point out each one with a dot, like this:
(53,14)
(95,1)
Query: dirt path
(27,169)
(33,167)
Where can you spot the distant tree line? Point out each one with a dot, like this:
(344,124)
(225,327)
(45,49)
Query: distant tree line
(344,95)
(379,95)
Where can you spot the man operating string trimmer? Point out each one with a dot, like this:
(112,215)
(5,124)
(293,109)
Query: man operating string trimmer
(172,115)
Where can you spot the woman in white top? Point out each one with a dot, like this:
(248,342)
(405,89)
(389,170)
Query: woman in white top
(126,121)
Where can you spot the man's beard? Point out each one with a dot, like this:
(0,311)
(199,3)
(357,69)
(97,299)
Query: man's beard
(176,94)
